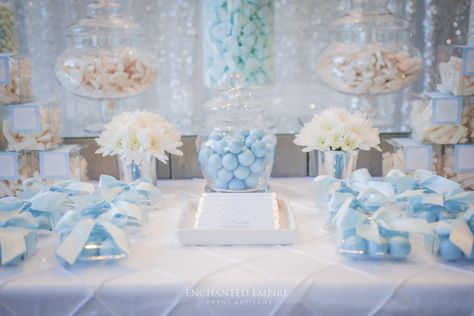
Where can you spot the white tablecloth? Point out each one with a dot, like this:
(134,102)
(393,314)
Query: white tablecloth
(308,278)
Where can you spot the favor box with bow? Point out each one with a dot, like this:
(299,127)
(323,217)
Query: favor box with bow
(364,192)
(379,235)
(90,239)
(456,70)
(17,236)
(409,155)
(452,239)
(32,126)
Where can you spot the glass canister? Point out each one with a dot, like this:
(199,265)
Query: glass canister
(106,55)
(236,149)
(369,51)
(238,38)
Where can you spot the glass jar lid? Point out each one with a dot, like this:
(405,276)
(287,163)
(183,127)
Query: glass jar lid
(235,98)
(104,19)
(370,21)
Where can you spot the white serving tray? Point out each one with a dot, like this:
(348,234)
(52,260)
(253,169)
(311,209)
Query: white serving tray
(188,235)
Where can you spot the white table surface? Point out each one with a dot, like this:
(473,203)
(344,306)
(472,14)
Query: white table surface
(308,278)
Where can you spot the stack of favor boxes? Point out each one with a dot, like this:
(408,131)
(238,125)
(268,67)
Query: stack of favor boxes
(442,123)
(31,142)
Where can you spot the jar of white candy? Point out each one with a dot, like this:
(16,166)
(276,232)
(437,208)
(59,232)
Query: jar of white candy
(236,149)
(106,55)
(369,51)
(238,38)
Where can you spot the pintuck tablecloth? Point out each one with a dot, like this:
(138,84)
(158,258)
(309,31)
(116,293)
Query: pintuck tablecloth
(162,277)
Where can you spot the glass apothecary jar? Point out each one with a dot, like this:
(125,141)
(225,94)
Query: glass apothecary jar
(369,51)
(106,56)
(235,149)
(238,38)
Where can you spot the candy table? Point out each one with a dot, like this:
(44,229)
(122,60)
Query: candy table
(162,277)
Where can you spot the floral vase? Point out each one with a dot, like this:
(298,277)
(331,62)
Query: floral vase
(146,168)
(337,163)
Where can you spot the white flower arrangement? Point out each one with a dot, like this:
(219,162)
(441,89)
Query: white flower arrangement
(338,129)
(139,135)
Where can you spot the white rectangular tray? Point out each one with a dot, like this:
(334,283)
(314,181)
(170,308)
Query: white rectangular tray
(188,235)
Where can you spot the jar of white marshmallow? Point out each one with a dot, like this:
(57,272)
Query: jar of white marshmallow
(369,51)
(106,55)
(442,118)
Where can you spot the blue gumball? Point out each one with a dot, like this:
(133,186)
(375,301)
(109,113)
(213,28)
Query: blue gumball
(236,184)
(219,184)
(257,133)
(252,181)
(224,175)
(230,162)
(377,250)
(269,151)
(215,137)
(428,216)
(354,244)
(258,149)
(250,140)
(236,145)
(399,247)
(258,166)
(242,172)
(214,162)
(242,132)
(448,250)
(246,158)
(268,139)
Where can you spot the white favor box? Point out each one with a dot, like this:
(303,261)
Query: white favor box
(456,70)
(458,164)
(409,155)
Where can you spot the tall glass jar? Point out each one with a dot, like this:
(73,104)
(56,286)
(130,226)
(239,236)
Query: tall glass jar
(369,51)
(236,149)
(238,38)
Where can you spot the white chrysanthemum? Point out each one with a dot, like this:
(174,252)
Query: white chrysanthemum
(139,135)
(338,129)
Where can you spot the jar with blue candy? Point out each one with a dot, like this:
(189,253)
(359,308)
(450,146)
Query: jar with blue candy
(238,38)
(236,149)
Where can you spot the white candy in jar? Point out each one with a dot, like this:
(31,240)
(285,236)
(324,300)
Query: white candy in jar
(371,69)
(424,130)
(120,74)
(452,78)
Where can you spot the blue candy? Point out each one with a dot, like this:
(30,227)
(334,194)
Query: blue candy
(214,162)
(204,154)
(230,162)
(219,184)
(221,147)
(257,133)
(377,250)
(252,181)
(258,166)
(250,140)
(236,145)
(399,247)
(258,149)
(215,137)
(246,158)
(236,184)
(448,250)
(242,132)
(354,244)
(241,172)
(224,175)
(388,233)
